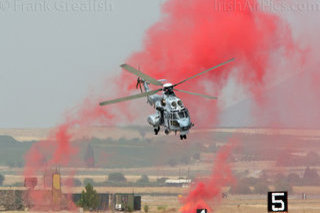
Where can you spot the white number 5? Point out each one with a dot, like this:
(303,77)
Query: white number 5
(275,201)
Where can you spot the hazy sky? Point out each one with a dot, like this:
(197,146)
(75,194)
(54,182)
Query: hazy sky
(54,51)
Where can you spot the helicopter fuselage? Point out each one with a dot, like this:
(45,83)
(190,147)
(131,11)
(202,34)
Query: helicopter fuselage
(170,112)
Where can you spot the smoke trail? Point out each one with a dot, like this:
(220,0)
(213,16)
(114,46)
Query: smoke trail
(208,192)
(57,150)
(195,35)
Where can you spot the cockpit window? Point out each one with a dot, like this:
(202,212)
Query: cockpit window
(175,123)
(181,114)
(180,103)
(173,104)
(177,115)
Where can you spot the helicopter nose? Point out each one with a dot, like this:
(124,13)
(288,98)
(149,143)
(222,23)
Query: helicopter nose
(184,123)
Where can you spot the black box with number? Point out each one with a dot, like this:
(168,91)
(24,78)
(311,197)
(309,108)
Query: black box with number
(277,201)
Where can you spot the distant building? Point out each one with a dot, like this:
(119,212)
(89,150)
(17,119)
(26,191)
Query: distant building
(126,202)
(178,182)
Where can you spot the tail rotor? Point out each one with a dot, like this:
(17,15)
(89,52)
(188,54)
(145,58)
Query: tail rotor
(139,82)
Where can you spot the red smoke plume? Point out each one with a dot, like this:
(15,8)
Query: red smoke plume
(208,192)
(195,35)
(57,150)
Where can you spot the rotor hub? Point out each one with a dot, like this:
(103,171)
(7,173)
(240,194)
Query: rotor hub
(168,89)
(167,85)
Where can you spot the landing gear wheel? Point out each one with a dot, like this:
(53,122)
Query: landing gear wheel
(183,137)
(166,131)
(156,131)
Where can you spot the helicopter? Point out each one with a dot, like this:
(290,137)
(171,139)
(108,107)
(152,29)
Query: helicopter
(170,113)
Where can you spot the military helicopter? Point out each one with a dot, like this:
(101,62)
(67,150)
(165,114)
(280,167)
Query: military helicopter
(170,111)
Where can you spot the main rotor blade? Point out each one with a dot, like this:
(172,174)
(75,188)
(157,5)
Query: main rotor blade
(141,74)
(196,75)
(127,98)
(193,93)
